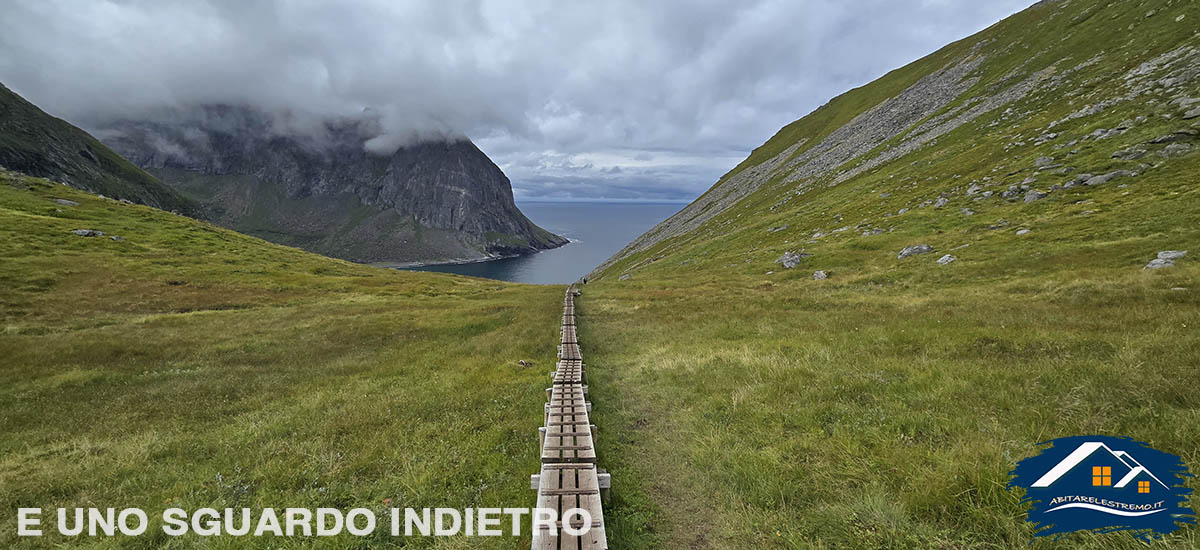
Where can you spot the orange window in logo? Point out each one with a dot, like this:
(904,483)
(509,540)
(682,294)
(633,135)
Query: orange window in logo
(1102,477)
(1143,486)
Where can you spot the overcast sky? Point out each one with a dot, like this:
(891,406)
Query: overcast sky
(622,99)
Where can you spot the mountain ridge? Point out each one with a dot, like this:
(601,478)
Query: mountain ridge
(428,202)
(998,81)
(36,143)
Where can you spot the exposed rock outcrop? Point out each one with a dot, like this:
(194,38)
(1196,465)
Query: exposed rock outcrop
(325,192)
(914,250)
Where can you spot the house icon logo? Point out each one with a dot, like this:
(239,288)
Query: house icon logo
(1104,484)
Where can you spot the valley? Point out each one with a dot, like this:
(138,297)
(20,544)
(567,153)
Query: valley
(851,340)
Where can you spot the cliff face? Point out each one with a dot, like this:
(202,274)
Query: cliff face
(38,144)
(429,202)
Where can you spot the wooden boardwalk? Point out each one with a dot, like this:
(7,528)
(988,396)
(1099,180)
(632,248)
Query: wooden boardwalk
(569,477)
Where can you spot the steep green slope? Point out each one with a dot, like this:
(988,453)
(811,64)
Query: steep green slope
(38,144)
(187,365)
(883,406)
(1043,84)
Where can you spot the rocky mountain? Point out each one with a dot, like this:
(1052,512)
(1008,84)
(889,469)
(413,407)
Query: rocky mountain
(322,190)
(1037,112)
(38,144)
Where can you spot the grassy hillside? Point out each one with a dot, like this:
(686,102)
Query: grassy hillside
(191,366)
(33,142)
(883,406)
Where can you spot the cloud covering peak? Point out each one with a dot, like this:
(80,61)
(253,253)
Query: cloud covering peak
(620,99)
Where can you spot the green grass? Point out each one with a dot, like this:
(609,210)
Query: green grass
(850,413)
(191,366)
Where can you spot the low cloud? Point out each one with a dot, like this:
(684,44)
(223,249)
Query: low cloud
(617,99)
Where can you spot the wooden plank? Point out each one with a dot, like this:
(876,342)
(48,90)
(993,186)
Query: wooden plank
(595,538)
(550,451)
(569,466)
(564,492)
(547,539)
(569,501)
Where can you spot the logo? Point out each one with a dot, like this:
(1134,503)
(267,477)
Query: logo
(1104,484)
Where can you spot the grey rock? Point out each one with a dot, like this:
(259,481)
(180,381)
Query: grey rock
(1105,178)
(1022,232)
(820,275)
(790,259)
(1175,150)
(1000,224)
(1177,135)
(946,259)
(1171,254)
(1159,263)
(974,189)
(1194,113)
(88,233)
(987,194)
(942,201)
(902,210)
(1078,180)
(1132,153)
(118,238)
(1034,195)
(914,250)
(1043,161)
(968,212)
(778,229)
(66,202)
(1029,181)
(625,277)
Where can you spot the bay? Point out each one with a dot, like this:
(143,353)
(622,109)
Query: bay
(597,231)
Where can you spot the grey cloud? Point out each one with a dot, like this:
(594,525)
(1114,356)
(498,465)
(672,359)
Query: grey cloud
(672,93)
